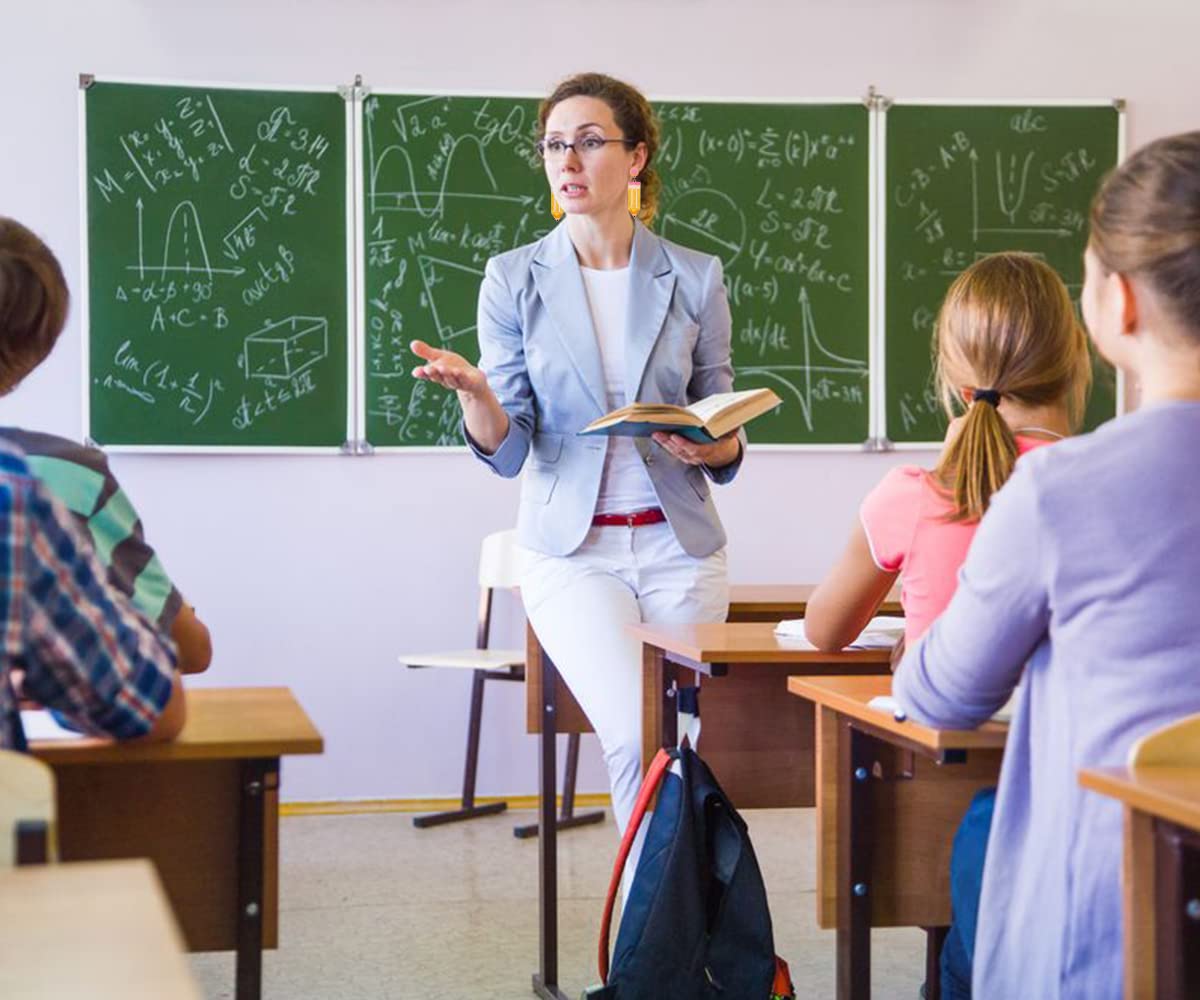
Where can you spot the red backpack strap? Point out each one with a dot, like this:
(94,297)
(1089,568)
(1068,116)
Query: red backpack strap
(658,767)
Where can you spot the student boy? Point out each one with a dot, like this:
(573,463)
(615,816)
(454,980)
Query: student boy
(33,310)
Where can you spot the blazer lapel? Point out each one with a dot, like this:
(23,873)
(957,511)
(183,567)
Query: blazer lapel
(651,282)
(560,285)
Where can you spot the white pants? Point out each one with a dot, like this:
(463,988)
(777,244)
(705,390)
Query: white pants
(579,606)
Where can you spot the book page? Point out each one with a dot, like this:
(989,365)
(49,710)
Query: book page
(710,406)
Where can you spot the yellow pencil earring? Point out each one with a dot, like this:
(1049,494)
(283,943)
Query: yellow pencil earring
(555,207)
(634,196)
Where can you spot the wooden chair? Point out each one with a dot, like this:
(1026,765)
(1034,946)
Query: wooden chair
(1174,745)
(1163,904)
(27,833)
(498,570)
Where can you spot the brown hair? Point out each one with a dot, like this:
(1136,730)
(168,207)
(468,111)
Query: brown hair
(33,302)
(1146,222)
(1007,324)
(634,117)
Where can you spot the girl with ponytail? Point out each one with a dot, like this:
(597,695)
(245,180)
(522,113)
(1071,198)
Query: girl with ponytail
(1012,369)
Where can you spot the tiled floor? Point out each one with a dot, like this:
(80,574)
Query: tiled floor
(371,908)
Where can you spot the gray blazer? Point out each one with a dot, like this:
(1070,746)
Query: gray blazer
(542,359)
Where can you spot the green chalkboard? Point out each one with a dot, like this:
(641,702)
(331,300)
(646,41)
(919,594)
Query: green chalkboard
(779,192)
(964,181)
(218,282)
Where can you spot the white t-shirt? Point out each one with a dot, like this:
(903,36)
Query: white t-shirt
(625,485)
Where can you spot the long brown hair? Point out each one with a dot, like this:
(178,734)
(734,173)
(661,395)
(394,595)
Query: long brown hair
(1007,324)
(1146,222)
(634,117)
(33,302)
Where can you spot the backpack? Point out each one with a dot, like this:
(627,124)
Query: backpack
(696,923)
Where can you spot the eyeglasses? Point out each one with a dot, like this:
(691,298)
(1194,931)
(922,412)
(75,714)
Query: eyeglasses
(589,145)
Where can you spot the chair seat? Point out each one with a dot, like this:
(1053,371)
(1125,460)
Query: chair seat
(466,659)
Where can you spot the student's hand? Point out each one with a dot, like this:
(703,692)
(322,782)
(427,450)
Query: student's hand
(449,369)
(721,452)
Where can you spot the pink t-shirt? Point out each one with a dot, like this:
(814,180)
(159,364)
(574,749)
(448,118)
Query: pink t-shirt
(904,519)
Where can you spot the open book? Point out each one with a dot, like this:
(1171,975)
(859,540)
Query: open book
(704,421)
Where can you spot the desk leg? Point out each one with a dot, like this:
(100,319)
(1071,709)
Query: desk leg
(935,938)
(660,718)
(255,775)
(854,866)
(545,980)
(567,818)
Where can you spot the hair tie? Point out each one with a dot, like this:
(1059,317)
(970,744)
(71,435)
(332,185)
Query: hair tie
(986,396)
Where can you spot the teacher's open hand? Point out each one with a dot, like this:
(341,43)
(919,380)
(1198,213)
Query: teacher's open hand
(448,369)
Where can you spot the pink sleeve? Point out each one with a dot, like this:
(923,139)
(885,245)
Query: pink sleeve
(889,516)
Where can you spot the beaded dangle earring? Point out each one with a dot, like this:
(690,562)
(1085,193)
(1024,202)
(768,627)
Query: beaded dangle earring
(634,195)
(555,208)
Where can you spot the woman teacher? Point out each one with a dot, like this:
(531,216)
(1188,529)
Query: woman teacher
(598,313)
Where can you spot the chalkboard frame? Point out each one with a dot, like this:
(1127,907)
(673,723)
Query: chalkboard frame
(83,298)
(884,104)
(866,101)
(355,96)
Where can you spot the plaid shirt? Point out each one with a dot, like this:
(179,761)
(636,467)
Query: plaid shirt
(84,649)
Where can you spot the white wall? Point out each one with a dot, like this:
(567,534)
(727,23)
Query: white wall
(315,572)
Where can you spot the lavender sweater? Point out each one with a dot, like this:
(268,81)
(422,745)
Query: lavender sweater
(1086,573)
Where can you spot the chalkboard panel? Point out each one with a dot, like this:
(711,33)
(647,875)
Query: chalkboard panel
(778,191)
(447,183)
(964,181)
(218,283)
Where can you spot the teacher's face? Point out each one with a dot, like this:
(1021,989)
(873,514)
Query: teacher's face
(588,181)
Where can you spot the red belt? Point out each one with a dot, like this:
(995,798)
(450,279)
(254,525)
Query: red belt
(639,517)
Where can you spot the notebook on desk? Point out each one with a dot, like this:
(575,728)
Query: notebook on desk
(40,724)
(882,632)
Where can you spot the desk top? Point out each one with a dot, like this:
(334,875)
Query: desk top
(1170,793)
(60,937)
(221,723)
(849,696)
(789,600)
(743,642)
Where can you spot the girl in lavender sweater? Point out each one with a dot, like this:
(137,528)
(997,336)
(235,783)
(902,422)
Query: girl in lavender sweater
(1081,584)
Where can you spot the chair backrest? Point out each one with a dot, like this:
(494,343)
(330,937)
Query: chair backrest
(26,794)
(499,560)
(1175,745)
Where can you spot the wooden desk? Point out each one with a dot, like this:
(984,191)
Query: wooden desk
(748,602)
(1161,876)
(550,708)
(100,930)
(204,808)
(890,796)
(759,742)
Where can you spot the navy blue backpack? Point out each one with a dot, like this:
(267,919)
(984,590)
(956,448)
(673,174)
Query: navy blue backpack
(696,923)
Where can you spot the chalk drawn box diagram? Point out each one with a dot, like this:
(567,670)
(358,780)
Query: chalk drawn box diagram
(286,348)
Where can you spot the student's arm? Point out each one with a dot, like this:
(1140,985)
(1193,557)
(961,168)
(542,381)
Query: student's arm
(192,640)
(170,720)
(966,666)
(86,650)
(879,543)
(847,598)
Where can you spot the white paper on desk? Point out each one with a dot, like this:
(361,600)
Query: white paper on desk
(882,632)
(39,724)
(886,703)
